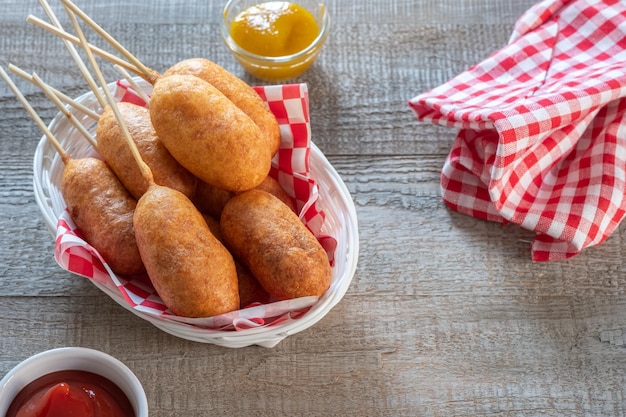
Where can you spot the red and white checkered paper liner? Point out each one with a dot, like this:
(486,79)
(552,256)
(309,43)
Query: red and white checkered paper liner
(542,134)
(290,167)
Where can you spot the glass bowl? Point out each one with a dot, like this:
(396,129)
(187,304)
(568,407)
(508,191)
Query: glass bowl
(276,68)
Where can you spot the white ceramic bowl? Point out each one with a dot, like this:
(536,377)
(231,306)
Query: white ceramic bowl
(78,359)
(334,200)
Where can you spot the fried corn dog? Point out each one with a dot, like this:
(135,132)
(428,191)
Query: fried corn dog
(193,273)
(269,238)
(207,134)
(103,211)
(237,91)
(273,187)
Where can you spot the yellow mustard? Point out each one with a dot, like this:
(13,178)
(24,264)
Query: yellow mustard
(274,28)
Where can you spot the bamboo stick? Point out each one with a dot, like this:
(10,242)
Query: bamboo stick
(145,169)
(33,114)
(64,98)
(148,74)
(71,38)
(64,110)
(73,53)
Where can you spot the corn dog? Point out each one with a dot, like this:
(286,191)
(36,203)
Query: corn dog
(103,211)
(207,134)
(237,91)
(269,238)
(193,273)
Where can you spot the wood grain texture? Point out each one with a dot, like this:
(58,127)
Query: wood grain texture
(446,314)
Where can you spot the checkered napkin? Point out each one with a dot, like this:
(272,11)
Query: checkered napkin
(542,135)
(290,167)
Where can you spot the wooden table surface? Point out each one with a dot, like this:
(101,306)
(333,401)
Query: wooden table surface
(446,315)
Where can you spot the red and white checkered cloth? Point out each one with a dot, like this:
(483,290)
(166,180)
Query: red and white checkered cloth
(290,105)
(542,139)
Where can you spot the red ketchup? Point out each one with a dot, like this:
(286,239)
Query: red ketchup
(71,394)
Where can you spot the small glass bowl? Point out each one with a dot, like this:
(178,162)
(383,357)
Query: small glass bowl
(276,68)
(73,358)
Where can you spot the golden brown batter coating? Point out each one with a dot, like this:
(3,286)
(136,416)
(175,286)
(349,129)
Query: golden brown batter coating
(269,238)
(207,134)
(240,93)
(114,149)
(273,187)
(102,209)
(250,290)
(193,273)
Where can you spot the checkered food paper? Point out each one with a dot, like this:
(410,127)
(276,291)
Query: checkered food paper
(290,167)
(542,135)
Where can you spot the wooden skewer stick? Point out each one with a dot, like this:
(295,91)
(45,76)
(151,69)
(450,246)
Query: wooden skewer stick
(133,84)
(64,98)
(64,110)
(79,62)
(71,38)
(145,169)
(148,74)
(81,65)
(33,114)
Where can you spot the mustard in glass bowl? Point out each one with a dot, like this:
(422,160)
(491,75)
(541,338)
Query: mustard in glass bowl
(275,40)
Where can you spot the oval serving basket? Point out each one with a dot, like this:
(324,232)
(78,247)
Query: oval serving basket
(334,199)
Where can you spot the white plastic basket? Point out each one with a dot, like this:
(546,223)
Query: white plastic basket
(334,200)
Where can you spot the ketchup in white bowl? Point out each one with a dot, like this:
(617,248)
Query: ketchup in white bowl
(72,382)
(71,393)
